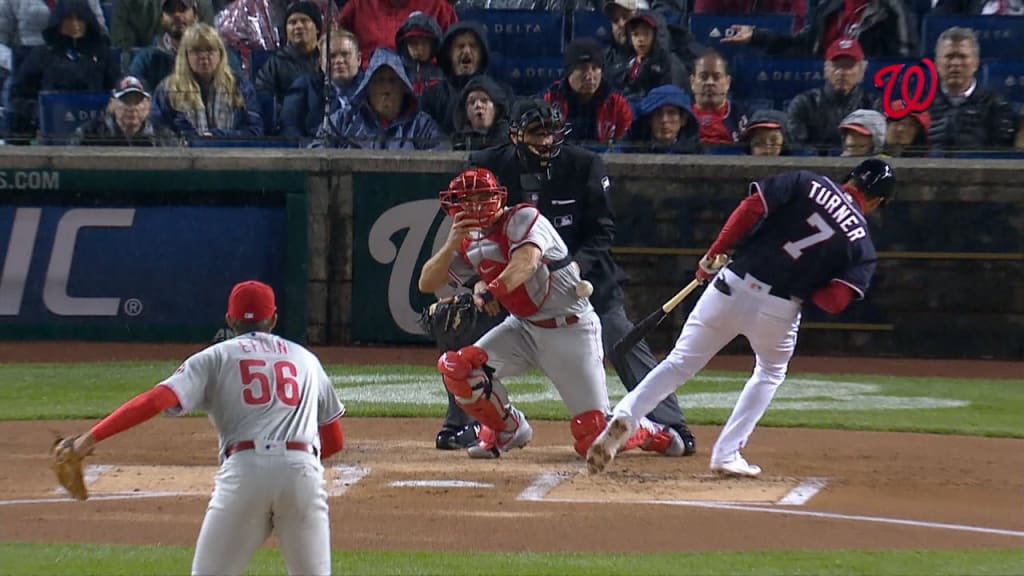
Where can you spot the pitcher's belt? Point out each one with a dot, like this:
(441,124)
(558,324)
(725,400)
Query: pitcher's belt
(555,322)
(243,445)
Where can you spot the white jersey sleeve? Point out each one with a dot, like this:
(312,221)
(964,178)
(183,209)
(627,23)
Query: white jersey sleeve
(330,407)
(191,381)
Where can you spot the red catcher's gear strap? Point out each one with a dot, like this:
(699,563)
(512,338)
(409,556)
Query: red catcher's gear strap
(135,412)
(742,219)
(332,439)
(833,298)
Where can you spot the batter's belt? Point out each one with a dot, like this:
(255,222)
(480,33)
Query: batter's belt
(742,271)
(244,445)
(555,322)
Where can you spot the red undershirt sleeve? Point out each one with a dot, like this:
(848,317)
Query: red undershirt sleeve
(742,219)
(332,440)
(833,298)
(135,412)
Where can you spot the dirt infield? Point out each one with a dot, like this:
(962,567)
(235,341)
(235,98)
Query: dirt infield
(391,490)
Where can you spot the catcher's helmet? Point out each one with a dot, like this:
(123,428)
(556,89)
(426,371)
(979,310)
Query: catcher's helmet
(534,113)
(475,191)
(876,178)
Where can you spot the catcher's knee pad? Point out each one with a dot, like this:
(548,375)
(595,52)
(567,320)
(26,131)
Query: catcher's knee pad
(585,428)
(468,379)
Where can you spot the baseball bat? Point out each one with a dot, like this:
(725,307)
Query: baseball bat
(644,327)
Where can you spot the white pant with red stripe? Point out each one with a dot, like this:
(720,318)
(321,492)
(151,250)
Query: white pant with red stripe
(257,493)
(768,322)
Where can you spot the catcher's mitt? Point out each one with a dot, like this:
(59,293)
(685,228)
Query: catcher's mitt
(451,321)
(67,465)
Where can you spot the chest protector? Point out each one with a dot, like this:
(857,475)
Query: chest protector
(518,302)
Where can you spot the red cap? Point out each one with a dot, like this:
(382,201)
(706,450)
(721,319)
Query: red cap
(251,301)
(845,47)
(923,118)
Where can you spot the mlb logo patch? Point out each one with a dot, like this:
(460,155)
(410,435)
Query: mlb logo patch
(561,221)
(605,183)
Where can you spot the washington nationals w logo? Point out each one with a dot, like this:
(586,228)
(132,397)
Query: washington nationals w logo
(917,84)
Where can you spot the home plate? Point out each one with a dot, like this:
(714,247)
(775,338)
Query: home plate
(439,484)
(623,486)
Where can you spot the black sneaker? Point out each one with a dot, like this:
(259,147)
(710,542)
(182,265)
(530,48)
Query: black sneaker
(450,438)
(689,441)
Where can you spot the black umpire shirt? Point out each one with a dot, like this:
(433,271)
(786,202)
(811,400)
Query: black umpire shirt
(574,196)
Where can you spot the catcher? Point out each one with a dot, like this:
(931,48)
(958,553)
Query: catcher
(524,267)
(277,416)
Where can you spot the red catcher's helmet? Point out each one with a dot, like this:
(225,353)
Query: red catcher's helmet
(477,192)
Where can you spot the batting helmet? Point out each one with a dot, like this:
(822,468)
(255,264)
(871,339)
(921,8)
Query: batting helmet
(534,113)
(876,178)
(475,191)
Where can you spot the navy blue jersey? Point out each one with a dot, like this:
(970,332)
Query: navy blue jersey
(812,233)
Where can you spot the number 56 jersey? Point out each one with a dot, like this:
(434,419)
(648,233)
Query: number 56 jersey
(257,386)
(813,232)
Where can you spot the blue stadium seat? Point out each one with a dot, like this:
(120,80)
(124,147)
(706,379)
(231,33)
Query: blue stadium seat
(776,79)
(1007,78)
(529,76)
(999,37)
(590,23)
(524,33)
(108,12)
(755,104)
(60,113)
(709,29)
(268,111)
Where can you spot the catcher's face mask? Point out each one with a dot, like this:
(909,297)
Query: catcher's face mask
(539,132)
(476,192)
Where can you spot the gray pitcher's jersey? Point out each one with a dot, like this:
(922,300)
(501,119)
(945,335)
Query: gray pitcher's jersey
(546,294)
(257,386)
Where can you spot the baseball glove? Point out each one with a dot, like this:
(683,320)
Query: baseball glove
(451,321)
(67,465)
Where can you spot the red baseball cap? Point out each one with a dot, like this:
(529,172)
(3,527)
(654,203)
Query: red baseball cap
(845,47)
(251,301)
(923,118)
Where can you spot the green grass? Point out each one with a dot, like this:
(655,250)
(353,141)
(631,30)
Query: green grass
(79,559)
(854,402)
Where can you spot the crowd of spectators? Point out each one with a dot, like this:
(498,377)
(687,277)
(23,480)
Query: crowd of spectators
(409,74)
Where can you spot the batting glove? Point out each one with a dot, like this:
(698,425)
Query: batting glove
(709,265)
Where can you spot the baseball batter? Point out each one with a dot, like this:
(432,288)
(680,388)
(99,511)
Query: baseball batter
(811,241)
(524,267)
(277,416)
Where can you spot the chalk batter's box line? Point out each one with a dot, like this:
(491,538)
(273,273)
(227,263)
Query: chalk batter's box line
(544,483)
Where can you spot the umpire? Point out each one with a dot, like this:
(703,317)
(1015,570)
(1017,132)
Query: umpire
(570,186)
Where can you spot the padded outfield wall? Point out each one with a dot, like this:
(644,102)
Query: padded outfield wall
(125,244)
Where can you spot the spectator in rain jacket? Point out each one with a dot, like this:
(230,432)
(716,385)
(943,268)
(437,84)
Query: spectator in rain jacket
(21,28)
(385,113)
(419,44)
(481,120)
(652,62)
(664,123)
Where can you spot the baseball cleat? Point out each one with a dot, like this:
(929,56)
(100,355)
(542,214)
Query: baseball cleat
(493,444)
(689,440)
(738,467)
(607,445)
(450,438)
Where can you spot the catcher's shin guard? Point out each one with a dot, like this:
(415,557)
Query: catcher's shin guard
(466,377)
(587,426)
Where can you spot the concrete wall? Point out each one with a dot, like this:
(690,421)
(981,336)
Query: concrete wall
(952,248)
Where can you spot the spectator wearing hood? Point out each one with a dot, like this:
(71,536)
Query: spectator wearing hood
(765,134)
(721,120)
(814,115)
(377,21)
(300,56)
(464,54)
(481,121)
(885,29)
(303,110)
(907,136)
(384,114)
(664,123)
(21,28)
(595,111)
(75,58)
(651,62)
(863,133)
(419,43)
(203,98)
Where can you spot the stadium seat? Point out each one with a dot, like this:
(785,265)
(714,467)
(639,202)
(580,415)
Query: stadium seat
(108,12)
(755,104)
(590,23)
(999,37)
(60,113)
(1007,78)
(775,79)
(268,112)
(529,76)
(258,59)
(525,33)
(709,29)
